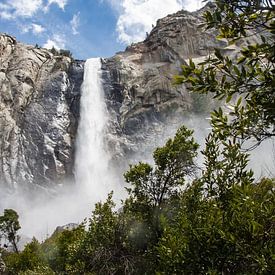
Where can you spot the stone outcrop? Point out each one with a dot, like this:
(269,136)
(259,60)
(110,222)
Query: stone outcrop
(139,81)
(38,114)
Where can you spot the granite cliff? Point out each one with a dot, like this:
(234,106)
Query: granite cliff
(139,81)
(38,114)
(40,91)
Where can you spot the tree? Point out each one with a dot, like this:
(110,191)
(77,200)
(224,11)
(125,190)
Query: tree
(153,191)
(224,222)
(247,80)
(2,264)
(173,162)
(61,52)
(103,248)
(54,51)
(225,167)
(65,53)
(9,226)
(208,238)
(29,261)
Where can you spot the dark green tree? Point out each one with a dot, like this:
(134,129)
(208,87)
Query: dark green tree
(224,220)
(65,53)
(103,248)
(58,251)
(9,226)
(153,191)
(29,261)
(174,161)
(54,51)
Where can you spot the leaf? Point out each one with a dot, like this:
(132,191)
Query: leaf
(253,16)
(239,101)
(218,54)
(229,97)
(241,59)
(236,70)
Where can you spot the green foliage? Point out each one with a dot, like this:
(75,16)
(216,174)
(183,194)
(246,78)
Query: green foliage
(173,162)
(61,52)
(65,53)
(225,221)
(9,225)
(54,51)
(225,167)
(29,261)
(236,19)
(208,238)
(59,249)
(246,83)
(103,248)
(153,188)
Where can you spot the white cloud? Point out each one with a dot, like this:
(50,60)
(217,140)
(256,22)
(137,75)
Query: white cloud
(37,29)
(136,17)
(34,28)
(57,41)
(4,6)
(75,23)
(5,11)
(11,9)
(6,15)
(193,5)
(60,3)
(19,8)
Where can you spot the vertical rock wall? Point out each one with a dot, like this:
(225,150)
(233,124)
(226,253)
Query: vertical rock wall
(39,97)
(139,87)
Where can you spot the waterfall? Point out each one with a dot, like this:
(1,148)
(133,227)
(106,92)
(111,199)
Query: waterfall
(92,159)
(94,175)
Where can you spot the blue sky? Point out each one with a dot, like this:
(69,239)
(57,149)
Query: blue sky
(88,28)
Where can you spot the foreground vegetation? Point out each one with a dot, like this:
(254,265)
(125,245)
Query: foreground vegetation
(221,222)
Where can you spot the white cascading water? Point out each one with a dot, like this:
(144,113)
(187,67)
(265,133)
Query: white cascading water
(92,159)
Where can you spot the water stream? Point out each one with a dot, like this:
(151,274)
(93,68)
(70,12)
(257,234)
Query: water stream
(92,158)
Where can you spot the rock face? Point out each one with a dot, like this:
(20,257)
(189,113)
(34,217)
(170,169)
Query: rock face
(38,114)
(40,91)
(139,81)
